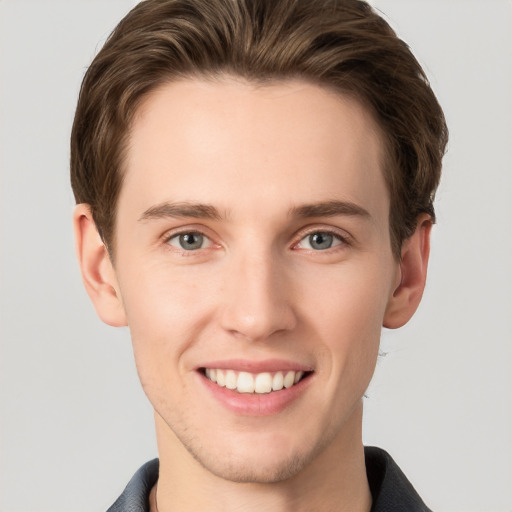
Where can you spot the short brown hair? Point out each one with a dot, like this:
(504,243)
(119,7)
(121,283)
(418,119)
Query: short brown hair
(341,44)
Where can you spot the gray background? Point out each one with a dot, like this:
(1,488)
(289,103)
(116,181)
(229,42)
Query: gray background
(75,424)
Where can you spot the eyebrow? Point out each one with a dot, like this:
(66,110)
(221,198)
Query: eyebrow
(206,211)
(181,210)
(329,209)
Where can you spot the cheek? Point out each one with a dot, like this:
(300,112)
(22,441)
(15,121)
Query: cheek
(164,298)
(346,310)
(350,297)
(166,310)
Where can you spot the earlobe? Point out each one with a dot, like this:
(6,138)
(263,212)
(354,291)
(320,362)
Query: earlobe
(98,273)
(413,273)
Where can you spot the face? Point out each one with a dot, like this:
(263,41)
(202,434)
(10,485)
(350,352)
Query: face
(254,267)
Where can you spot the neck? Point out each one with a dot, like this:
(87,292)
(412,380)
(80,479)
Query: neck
(334,480)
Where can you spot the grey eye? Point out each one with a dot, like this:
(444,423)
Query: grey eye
(321,241)
(188,241)
(191,241)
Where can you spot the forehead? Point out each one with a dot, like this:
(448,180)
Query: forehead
(239,145)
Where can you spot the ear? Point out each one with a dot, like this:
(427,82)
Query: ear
(413,268)
(98,273)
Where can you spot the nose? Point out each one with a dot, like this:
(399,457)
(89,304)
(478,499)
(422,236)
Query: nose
(258,301)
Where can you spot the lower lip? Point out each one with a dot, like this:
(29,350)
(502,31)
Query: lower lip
(256,404)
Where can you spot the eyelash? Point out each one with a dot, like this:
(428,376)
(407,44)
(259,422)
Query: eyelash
(169,236)
(344,240)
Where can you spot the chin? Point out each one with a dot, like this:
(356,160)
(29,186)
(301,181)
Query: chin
(257,459)
(254,471)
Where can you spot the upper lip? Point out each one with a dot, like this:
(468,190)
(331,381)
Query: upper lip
(251,366)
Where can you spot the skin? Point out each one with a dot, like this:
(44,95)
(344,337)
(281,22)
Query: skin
(257,288)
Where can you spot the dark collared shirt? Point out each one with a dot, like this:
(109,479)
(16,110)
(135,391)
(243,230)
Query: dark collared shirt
(391,491)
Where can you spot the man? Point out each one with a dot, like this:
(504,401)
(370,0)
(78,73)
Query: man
(254,183)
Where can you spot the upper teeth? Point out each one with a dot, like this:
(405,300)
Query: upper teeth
(245,382)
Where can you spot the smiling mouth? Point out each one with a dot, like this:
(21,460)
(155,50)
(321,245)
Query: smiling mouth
(256,383)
